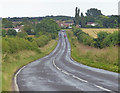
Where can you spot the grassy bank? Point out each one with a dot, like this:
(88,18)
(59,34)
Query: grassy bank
(12,62)
(106,58)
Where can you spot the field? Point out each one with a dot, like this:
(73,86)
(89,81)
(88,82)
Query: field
(106,58)
(93,31)
(14,61)
(31,35)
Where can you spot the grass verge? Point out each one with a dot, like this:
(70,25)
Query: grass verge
(12,62)
(106,58)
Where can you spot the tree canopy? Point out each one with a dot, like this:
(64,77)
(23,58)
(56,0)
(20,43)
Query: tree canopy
(93,12)
(11,32)
(47,25)
(6,23)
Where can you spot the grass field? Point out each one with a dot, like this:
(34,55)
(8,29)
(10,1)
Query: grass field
(13,62)
(93,31)
(106,58)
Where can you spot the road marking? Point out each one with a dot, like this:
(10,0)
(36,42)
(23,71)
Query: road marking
(15,79)
(69,74)
(79,78)
(75,77)
(102,88)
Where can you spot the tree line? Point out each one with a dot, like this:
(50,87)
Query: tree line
(20,19)
(95,15)
(44,31)
(103,39)
(46,26)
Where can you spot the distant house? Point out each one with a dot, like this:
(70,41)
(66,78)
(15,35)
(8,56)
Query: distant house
(64,24)
(18,28)
(69,23)
(69,27)
(92,23)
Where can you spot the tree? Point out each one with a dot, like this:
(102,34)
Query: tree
(101,35)
(93,12)
(12,32)
(6,23)
(111,39)
(82,20)
(47,25)
(90,19)
(22,34)
(28,29)
(76,19)
(100,38)
(110,22)
(3,32)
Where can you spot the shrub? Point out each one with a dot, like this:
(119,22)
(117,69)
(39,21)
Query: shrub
(103,39)
(42,40)
(13,45)
(22,34)
(3,32)
(5,47)
(11,32)
(29,39)
(111,39)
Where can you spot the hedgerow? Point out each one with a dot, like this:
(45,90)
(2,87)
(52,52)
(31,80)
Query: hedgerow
(103,39)
(13,45)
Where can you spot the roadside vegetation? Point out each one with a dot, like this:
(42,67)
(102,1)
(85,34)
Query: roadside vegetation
(12,62)
(21,48)
(103,39)
(85,53)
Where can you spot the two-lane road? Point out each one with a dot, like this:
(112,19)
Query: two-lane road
(58,72)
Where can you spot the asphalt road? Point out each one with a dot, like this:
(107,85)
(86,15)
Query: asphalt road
(59,72)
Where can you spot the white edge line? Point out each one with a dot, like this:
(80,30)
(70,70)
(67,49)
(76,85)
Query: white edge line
(68,73)
(76,76)
(15,79)
(79,78)
(102,88)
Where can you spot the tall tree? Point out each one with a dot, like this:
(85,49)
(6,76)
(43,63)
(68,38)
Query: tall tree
(76,20)
(82,20)
(93,12)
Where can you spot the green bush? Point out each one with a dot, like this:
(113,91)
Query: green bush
(111,39)
(3,32)
(13,45)
(99,40)
(42,40)
(29,39)
(11,32)
(5,47)
(22,34)
(103,39)
(76,30)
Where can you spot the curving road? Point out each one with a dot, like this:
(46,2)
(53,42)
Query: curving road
(58,72)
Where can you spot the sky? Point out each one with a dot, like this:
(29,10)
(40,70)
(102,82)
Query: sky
(39,8)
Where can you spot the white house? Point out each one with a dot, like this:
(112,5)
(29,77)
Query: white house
(92,23)
(17,29)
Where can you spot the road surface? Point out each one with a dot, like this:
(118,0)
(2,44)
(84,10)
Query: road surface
(59,72)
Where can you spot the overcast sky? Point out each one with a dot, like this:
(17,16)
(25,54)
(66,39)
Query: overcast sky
(35,8)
